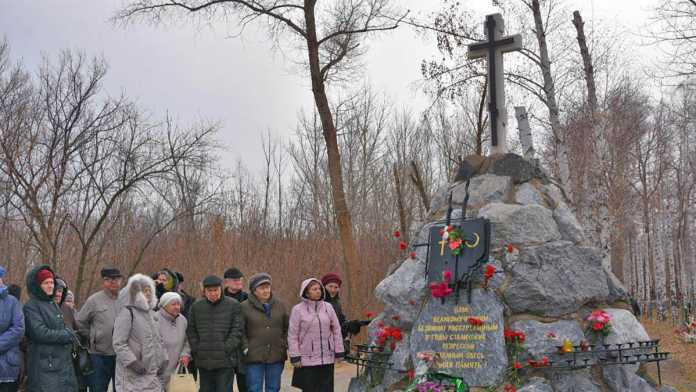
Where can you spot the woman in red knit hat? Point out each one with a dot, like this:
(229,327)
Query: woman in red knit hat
(50,342)
(332,283)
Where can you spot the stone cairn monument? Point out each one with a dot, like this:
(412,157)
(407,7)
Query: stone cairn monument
(548,280)
(502,290)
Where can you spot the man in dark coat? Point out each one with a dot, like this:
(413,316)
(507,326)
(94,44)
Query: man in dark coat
(50,342)
(234,288)
(215,328)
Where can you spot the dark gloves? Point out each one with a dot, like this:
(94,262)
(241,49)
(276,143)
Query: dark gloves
(353,327)
(137,367)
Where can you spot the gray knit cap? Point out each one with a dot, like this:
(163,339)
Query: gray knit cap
(258,279)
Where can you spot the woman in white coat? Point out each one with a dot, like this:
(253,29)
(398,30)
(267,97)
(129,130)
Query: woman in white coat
(140,354)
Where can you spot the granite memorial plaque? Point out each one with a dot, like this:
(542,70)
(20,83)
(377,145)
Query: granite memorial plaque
(476,353)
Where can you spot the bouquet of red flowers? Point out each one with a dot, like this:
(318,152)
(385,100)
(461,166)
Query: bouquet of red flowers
(599,322)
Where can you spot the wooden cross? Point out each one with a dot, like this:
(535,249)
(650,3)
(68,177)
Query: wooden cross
(442,246)
(493,49)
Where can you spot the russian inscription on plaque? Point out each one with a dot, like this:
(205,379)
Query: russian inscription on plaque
(473,352)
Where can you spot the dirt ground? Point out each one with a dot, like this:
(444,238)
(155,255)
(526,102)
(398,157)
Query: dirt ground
(680,371)
(342,377)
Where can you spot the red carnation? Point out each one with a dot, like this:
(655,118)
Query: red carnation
(510,388)
(490,271)
(396,318)
(413,255)
(412,302)
(397,234)
(402,245)
(517,365)
(474,321)
(447,275)
(510,248)
(598,326)
(369,315)
(411,374)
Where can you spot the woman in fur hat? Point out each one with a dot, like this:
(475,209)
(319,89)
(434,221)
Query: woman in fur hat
(140,356)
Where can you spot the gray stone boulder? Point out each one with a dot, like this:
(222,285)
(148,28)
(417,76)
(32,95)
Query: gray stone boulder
(625,328)
(520,224)
(402,291)
(400,361)
(555,279)
(620,379)
(482,190)
(358,384)
(573,381)
(536,384)
(617,291)
(538,344)
(667,388)
(529,194)
(568,224)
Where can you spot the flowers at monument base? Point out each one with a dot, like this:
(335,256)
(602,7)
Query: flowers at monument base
(540,363)
(488,274)
(427,356)
(429,386)
(566,347)
(474,321)
(389,335)
(514,337)
(442,289)
(600,322)
(457,240)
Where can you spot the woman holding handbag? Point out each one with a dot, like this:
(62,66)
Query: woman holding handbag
(172,328)
(140,356)
(49,341)
(315,341)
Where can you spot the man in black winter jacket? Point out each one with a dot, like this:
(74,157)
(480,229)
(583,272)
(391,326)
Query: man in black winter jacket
(214,332)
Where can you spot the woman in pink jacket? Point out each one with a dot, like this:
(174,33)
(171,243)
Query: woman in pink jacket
(314,340)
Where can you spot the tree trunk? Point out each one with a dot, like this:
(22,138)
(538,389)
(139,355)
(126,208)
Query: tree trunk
(351,262)
(417,180)
(400,204)
(587,62)
(561,150)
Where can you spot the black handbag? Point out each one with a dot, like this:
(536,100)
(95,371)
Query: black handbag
(81,359)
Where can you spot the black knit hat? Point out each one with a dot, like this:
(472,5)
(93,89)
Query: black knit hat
(233,273)
(212,280)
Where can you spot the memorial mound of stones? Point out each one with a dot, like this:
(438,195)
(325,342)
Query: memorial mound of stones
(549,279)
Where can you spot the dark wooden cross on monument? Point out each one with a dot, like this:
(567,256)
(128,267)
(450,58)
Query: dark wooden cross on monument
(493,48)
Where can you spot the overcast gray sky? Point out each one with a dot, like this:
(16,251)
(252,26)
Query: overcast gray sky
(201,73)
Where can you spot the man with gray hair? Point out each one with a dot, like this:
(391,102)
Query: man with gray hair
(95,322)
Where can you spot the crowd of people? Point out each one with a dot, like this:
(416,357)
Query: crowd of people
(139,334)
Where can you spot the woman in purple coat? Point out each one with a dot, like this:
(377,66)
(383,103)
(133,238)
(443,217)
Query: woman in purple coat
(315,342)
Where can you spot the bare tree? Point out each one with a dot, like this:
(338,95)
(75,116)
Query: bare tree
(674,27)
(332,34)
